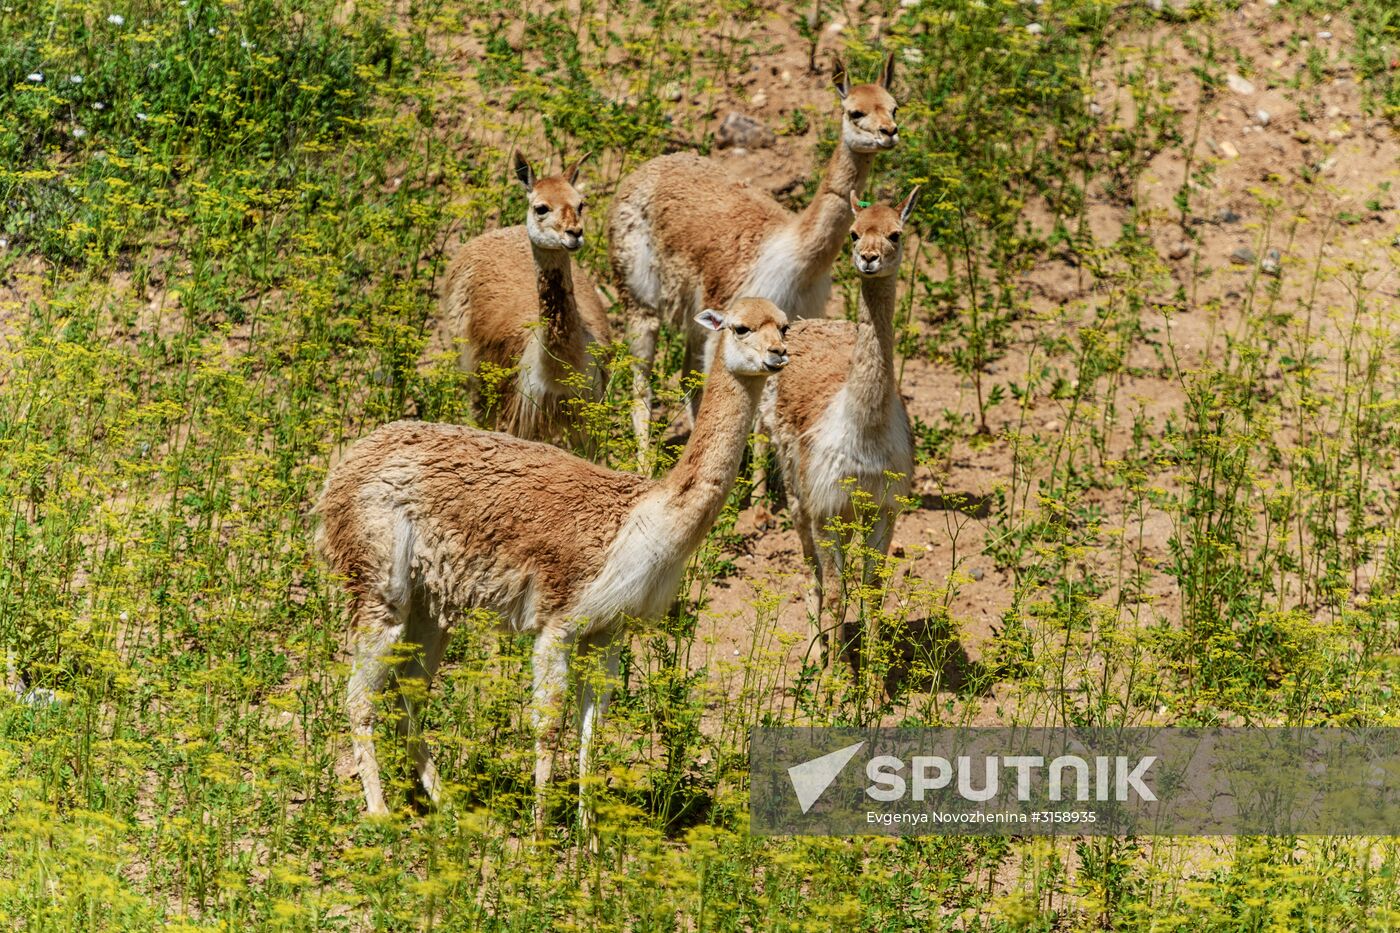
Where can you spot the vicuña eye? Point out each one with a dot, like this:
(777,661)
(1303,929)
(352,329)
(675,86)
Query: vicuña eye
(857,114)
(894,237)
(783,330)
(741,330)
(855,237)
(580,208)
(541,210)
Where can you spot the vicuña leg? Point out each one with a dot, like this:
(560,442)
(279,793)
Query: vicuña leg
(416,672)
(551,672)
(597,672)
(377,629)
(641,344)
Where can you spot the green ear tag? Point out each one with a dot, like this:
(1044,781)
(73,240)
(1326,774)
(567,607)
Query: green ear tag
(864,203)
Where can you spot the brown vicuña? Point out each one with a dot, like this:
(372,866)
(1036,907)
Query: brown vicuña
(427,521)
(837,421)
(515,299)
(685,235)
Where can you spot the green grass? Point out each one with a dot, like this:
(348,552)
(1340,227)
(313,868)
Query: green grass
(228,268)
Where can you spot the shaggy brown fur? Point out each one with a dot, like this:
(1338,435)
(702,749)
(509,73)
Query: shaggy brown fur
(684,235)
(425,521)
(516,300)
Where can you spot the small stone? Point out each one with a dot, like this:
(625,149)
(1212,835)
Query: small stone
(1244,256)
(1262,116)
(1226,216)
(1324,34)
(1051,426)
(760,99)
(1095,109)
(742,132)
(1035,29)
(1273,263)
(1179,250)
(785,76)
(1333,112)
(908,4)
(1239,85)
(976,573)
(671,92)
(1228,150)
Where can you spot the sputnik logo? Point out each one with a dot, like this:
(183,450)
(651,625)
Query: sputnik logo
(811,778)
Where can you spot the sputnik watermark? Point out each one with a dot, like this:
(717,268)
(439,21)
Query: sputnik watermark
(1125,781)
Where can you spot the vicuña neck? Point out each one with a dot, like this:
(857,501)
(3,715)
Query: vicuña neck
(871,380)
(699,483)
(554,279)
(822,228)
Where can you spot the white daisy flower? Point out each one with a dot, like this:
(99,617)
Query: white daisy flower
(76,79)
(116,19)
(37,77)
(79,132)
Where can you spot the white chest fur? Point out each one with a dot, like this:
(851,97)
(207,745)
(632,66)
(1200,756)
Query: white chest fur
(839,449)
(641,572)
(778,276)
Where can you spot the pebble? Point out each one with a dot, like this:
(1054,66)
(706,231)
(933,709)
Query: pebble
(1228,150)
(1333,112)
(1179,250)
(1094,108)
(1226,216)
(1262,116)
(671,92)
(1240,85)
(1035,29)
(1324,34)
(1244,256)
(1273,263)
(739,131)
(976,573)
(760,99)
(908,4)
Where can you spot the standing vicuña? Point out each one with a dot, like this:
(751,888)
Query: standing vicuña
(837,419)
(684,235)
(515,299)
(428,520)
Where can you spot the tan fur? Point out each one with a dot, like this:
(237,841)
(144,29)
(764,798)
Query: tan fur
(425,521)
(684,235)
(506,295)
(835,415)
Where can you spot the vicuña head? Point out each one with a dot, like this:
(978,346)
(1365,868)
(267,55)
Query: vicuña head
(757,328)
(555,217)
(868,122)
(877,243)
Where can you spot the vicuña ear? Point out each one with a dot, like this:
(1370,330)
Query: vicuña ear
(523,172)
(571,174)
(711,320)
(907,207)
(855,201)
(839,79)
(887,72)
